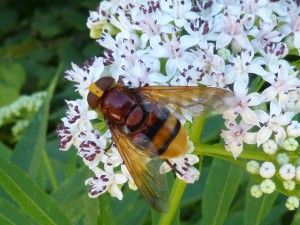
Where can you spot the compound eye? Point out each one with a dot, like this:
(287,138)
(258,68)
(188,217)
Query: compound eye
(93,100)
(97,89)
(104,83)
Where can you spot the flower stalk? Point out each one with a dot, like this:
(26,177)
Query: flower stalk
(176,195)
(218,150)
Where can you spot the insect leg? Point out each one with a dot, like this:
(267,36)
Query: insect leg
(173,166)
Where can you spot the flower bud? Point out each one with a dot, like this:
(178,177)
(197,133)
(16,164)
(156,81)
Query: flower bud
(287,171)
(270,147)
(256,191)
(292,203)
(290,144)
(253,167)
(224,53)
(289,184)
(95,33)
(267,170)
(267,186)
(282,158)
(293,130)
(298,173)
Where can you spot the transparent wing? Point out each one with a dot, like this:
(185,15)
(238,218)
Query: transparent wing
(193,98)
(144,169)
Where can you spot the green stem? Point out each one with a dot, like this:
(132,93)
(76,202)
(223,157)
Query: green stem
(49,169)
(250,154)
(218,150)
(175,196)
(196,129)
(179,186)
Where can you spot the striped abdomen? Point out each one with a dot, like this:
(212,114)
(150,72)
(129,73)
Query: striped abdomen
(160,131)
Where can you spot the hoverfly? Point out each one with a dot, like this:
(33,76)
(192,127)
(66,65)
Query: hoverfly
(144,130)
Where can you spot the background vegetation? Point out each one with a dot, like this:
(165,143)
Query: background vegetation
(41,185)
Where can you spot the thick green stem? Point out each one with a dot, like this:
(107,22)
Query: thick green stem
(179,186)
(175,196)
(196,129)
(218,150)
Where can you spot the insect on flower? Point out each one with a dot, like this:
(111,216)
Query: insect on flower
(145,131)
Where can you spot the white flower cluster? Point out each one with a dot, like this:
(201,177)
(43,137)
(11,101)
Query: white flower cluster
(20,111)
(234,45)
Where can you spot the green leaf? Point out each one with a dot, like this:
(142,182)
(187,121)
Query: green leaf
(132,204)
(11,215)
(91,207)
(71,188)
(222,183)
(12,77)
(296,218)
(5,152)
(296,64)
(234,218)
(255,84)
(275,215)
(105,215)
(9,19)
(194,192)
(258,208)
(31,199)
(75,209)
(27,153)
(46,23)
(4,220)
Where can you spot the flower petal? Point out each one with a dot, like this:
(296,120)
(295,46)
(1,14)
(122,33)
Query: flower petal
(171,67)
(240,88)
(188,41)
(269,93)
(275,108)
(120,178)
(263,135)
(164,168)
(249,116)
(116,192)
(297,39)
(223,40)
(256,69)
(191,175)
(263,117)
(91,115)
(280,135)
(285,118)
(164,19)
(250,138)
(255,99)
(242,41)
(235,148)
(231,76)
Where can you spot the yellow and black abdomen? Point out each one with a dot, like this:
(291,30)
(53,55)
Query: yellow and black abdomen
(160,132)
